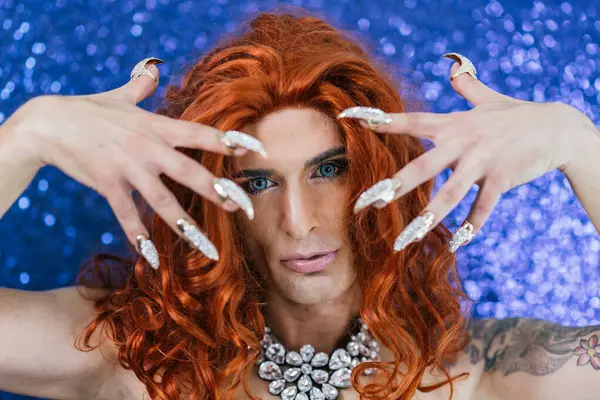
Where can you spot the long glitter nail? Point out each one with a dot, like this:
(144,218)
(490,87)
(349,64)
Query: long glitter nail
(233,139)
(381,191)
(147,249)
(227,189)
(197,239)
(415,230)
(463,235)
(373,116)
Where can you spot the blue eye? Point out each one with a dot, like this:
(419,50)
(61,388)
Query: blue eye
(257,185)
(328,169)
(332,169)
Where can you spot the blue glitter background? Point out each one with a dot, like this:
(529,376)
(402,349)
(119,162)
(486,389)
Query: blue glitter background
(538,254)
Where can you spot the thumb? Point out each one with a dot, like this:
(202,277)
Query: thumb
(143,82)
(464,81)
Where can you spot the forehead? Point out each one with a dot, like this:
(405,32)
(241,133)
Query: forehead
(290,137)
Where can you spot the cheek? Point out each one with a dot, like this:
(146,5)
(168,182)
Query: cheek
(257,232)
(335,198)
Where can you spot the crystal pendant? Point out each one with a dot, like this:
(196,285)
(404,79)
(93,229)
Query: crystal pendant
(276,387)
(330,392)
(307,352)
(276,352)
(304,384)
(291,374)
(316,394)
(352,348)
(339,359)
(306,369)
(340,378)
(364,350)
(293,358)
(320,359)
(269,371)
(289,393)
(319,376)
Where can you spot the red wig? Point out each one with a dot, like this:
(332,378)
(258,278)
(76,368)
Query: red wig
(199,321)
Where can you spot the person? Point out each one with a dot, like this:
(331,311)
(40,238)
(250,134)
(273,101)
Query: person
(337,280)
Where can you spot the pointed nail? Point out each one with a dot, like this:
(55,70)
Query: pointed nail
(197,239)
(465,65)
(227,189)
(140,68)
(372,116)
(462,236)
(415,230)
(381,191)
(147,249)
(232,139)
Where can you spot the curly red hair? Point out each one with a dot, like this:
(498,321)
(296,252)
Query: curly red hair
(201,319)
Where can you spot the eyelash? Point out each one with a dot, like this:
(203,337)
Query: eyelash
(340,164)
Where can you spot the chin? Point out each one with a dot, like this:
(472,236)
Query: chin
(316,287)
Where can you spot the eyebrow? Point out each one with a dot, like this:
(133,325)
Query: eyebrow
(318,159)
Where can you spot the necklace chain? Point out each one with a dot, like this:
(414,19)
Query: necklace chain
(314,376)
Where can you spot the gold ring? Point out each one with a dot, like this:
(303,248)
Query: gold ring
(140,68)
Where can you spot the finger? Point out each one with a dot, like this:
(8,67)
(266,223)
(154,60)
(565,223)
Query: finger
(482,208)
(468,86)
(166,205)
(121,202)
(189,172)
(419,170)
(181,133)
(139,87)
(194,175)
(418,124)
(448,197)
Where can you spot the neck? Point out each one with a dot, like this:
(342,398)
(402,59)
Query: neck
(321,325)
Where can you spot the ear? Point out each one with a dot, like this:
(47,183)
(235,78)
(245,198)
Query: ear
(468,85)
(141,86)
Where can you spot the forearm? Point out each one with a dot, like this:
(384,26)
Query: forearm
(583,174)
(18,166)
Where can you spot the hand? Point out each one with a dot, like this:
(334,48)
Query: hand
(499,144)
(108,143)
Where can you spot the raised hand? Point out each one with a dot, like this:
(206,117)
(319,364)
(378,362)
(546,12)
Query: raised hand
(499,144)
(108,143)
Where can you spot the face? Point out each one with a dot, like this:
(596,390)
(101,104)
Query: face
(298,194)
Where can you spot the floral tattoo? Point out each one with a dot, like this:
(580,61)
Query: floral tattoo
(589,352)
(533,346)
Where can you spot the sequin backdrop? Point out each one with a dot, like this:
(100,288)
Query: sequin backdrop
(538,254)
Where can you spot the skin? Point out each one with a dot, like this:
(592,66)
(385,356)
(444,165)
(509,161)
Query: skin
(297,210)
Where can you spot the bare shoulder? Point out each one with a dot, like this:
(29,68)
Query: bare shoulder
(117,382)
(46,357)
(537,347)
(523,358)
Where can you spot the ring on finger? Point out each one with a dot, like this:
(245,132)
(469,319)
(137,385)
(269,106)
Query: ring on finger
(140,68)
(462,236)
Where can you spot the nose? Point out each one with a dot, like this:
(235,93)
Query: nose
(299,211)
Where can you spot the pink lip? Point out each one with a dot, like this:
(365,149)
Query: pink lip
(305,266)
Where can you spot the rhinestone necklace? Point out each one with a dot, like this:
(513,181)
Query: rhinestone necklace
(314,376)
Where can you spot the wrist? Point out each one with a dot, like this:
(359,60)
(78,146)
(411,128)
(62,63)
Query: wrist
(16,139)
(586,144)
